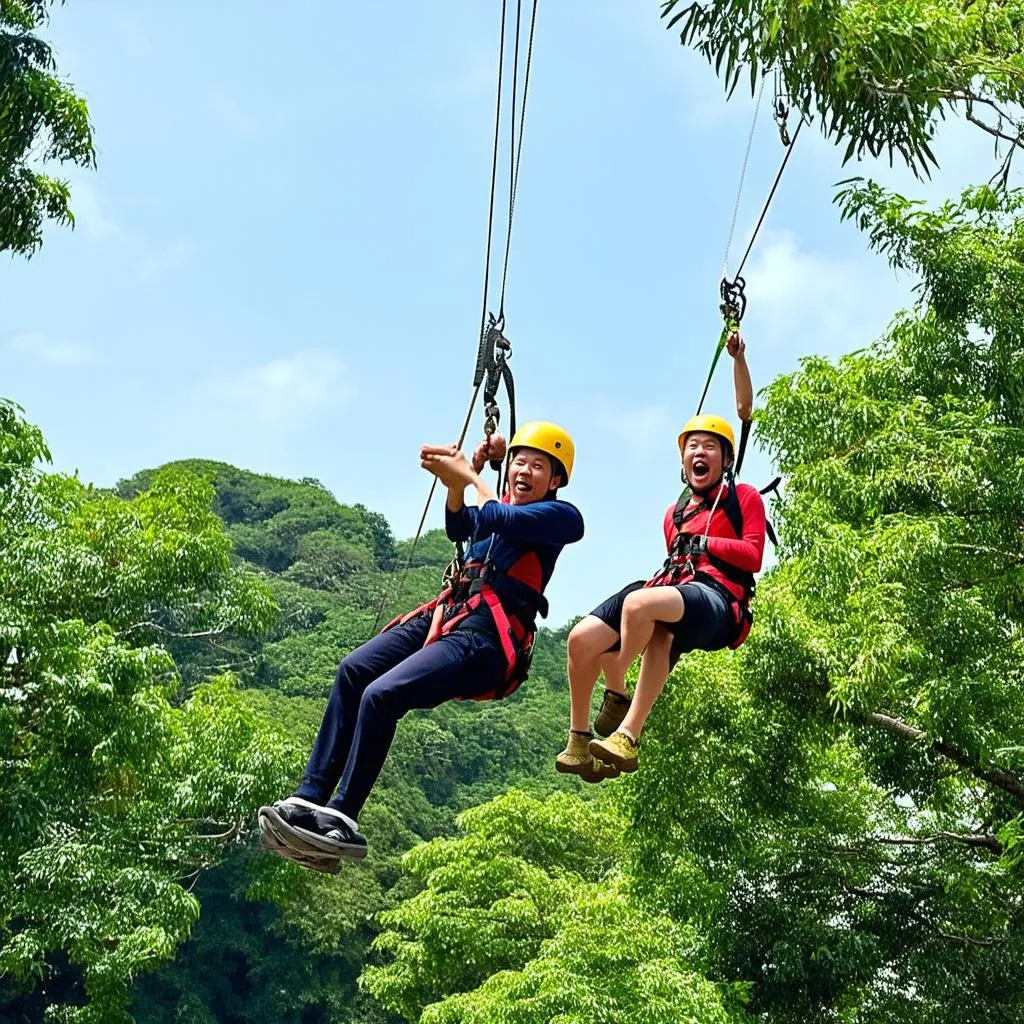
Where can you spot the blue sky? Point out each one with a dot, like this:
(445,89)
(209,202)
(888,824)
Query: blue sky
(279,259)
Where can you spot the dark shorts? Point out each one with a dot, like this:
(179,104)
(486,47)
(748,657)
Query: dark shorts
(708,623)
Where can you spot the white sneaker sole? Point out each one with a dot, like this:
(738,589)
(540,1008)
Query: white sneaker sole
(275,844)
(307,842)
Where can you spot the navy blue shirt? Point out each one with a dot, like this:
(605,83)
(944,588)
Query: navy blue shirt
(532,535)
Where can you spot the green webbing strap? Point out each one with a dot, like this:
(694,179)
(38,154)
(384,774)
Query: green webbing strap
(730,327)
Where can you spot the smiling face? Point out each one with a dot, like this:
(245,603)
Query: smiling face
(531,476)
(704,459)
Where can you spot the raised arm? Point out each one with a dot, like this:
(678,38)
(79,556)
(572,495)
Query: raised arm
(450,466)
(737,348)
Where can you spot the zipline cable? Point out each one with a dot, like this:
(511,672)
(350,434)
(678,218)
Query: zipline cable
(743,177)
(517,142)
(771,196)
(485,366)
(733,297)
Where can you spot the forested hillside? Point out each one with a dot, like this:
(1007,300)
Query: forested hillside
(324,566)
(275,942)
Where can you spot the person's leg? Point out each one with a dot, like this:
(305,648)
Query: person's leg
(597,657)
(641,610)
(589,644)
(357,670)
(689,617)
(464,664)
(620,748)
(588,641)
(615,702)
(654,669)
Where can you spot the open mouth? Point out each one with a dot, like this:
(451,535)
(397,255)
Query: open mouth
(699,469)
(521,487)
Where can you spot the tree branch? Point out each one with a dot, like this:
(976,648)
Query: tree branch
(228,836)
(878,896)
(983,842)
(177,636)
(992,774)
(1014,140)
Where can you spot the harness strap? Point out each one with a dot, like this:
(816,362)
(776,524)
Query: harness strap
(742,447)
(469,593)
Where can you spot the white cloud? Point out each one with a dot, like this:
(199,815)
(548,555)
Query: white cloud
(50,351)
(815,302)
(157,262)
(151,259)
(287,390)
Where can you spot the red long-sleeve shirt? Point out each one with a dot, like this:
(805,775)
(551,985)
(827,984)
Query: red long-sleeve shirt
(745,553)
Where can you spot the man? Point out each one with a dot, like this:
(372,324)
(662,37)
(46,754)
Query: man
(698,600)
(471,643)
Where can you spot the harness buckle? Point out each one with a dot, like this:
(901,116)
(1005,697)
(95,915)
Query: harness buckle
(452,573)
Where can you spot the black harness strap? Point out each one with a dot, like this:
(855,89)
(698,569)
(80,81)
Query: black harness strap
(742,449)
(772,488)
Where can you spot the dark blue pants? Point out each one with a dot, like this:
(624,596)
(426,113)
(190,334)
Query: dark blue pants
(375,686)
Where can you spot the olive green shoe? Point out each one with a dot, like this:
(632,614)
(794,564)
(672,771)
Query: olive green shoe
(618,750)
(576,759)
(613,710)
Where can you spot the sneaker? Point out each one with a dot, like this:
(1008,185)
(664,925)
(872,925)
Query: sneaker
(618,750)
(613,711)
(273,843)
(315,829)
(576,759)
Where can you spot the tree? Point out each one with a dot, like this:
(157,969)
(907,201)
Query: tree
(116,792)
(524,919)
(41,119)
(839,806)
(878,75)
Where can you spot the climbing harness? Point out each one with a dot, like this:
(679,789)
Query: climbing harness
(493,350)
(688,555)
(511,595)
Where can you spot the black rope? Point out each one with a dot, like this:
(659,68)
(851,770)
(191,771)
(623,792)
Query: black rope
(771,196)
(491,365)
(423,519)
(734,300)
(516,147)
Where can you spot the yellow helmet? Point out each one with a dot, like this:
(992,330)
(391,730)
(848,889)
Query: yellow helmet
(709,425)
(548,438)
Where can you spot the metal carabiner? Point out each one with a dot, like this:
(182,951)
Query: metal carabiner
(492,415)
(734,298)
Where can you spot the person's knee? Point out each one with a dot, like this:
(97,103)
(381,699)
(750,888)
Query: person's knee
(635,606)
(348,674)
(377,699)
(583,644)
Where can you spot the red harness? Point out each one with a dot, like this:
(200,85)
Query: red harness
(475,587)
(680,567)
